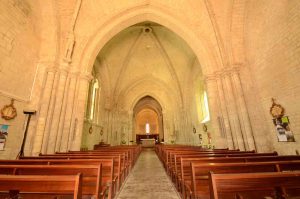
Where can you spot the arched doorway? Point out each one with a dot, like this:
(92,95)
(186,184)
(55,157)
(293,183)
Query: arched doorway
(148,119)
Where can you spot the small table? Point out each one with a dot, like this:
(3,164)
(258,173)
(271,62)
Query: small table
(148,142)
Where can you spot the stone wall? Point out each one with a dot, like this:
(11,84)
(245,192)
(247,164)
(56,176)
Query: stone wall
(243,52)
(19,53)
(273,54)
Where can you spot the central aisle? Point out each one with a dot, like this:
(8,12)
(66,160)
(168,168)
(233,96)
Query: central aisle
(148,180)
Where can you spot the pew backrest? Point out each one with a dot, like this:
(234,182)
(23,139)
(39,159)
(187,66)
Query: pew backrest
(56,185)
(255,185)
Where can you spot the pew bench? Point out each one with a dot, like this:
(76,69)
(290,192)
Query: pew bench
(91,175)
(198,185)
(184,165)
(116,159)
(282,185)
(40,187)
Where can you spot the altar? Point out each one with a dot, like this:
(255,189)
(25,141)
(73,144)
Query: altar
(139,137)
(148,142)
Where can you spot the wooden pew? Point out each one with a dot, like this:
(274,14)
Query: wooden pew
(126,162)
(166,153)
(163,150)
(91,175)
(109,181)
(174,166)
(171,164)
(116,163)
(135,150)
(171,154)
(281,185)
(184,166)
(39,186)
(198,186)
(116,158)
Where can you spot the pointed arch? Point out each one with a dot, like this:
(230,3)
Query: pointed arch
(134,15)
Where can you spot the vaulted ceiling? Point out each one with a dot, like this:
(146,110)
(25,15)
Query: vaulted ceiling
(146,59)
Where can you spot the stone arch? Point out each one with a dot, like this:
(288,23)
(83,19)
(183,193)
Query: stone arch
(129,17)
(144,94)
(204,50)
(147,104)
(154,82)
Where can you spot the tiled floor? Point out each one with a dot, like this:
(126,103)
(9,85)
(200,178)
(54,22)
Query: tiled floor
(148,180)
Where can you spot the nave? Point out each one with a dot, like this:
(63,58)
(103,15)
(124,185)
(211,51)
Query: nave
(148,179)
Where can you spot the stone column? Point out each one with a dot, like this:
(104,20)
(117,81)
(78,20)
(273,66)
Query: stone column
(212,92)
(64,139)
(233,113)
(223,119)
(62,115)
(244,115)
(57,114)
(79,110)
(131,123)
(42,114)
(182,135)
(167,134)
(38,99)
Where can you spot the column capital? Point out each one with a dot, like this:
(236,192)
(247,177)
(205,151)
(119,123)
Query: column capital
(52,68)
(64,67)
(86,76)
(210,77)
(227,71)
(238,65)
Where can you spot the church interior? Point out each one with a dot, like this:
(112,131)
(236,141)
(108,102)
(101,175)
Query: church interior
(150,99)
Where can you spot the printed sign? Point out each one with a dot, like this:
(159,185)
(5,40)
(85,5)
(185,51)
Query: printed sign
(3,135)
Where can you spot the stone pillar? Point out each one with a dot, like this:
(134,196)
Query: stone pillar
(62,115)
(182,135)
(223,119)
(212,92)
(64,139)
(39,99)
(43,113)
(57,115)
(167,133)
(244,115)
(239,142)
(131,127)
(79,110)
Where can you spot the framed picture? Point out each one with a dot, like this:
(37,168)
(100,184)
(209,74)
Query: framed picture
(3,135)
(284,134)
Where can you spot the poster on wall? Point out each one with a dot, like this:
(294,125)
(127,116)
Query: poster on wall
(284,134)
(3,135)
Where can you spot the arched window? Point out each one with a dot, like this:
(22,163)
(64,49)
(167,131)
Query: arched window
(93,97)
(204,110)
(147,128)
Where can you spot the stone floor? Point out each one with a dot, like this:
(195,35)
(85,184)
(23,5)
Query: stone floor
(148,180)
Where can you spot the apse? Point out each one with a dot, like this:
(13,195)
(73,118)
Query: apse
(148,118)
